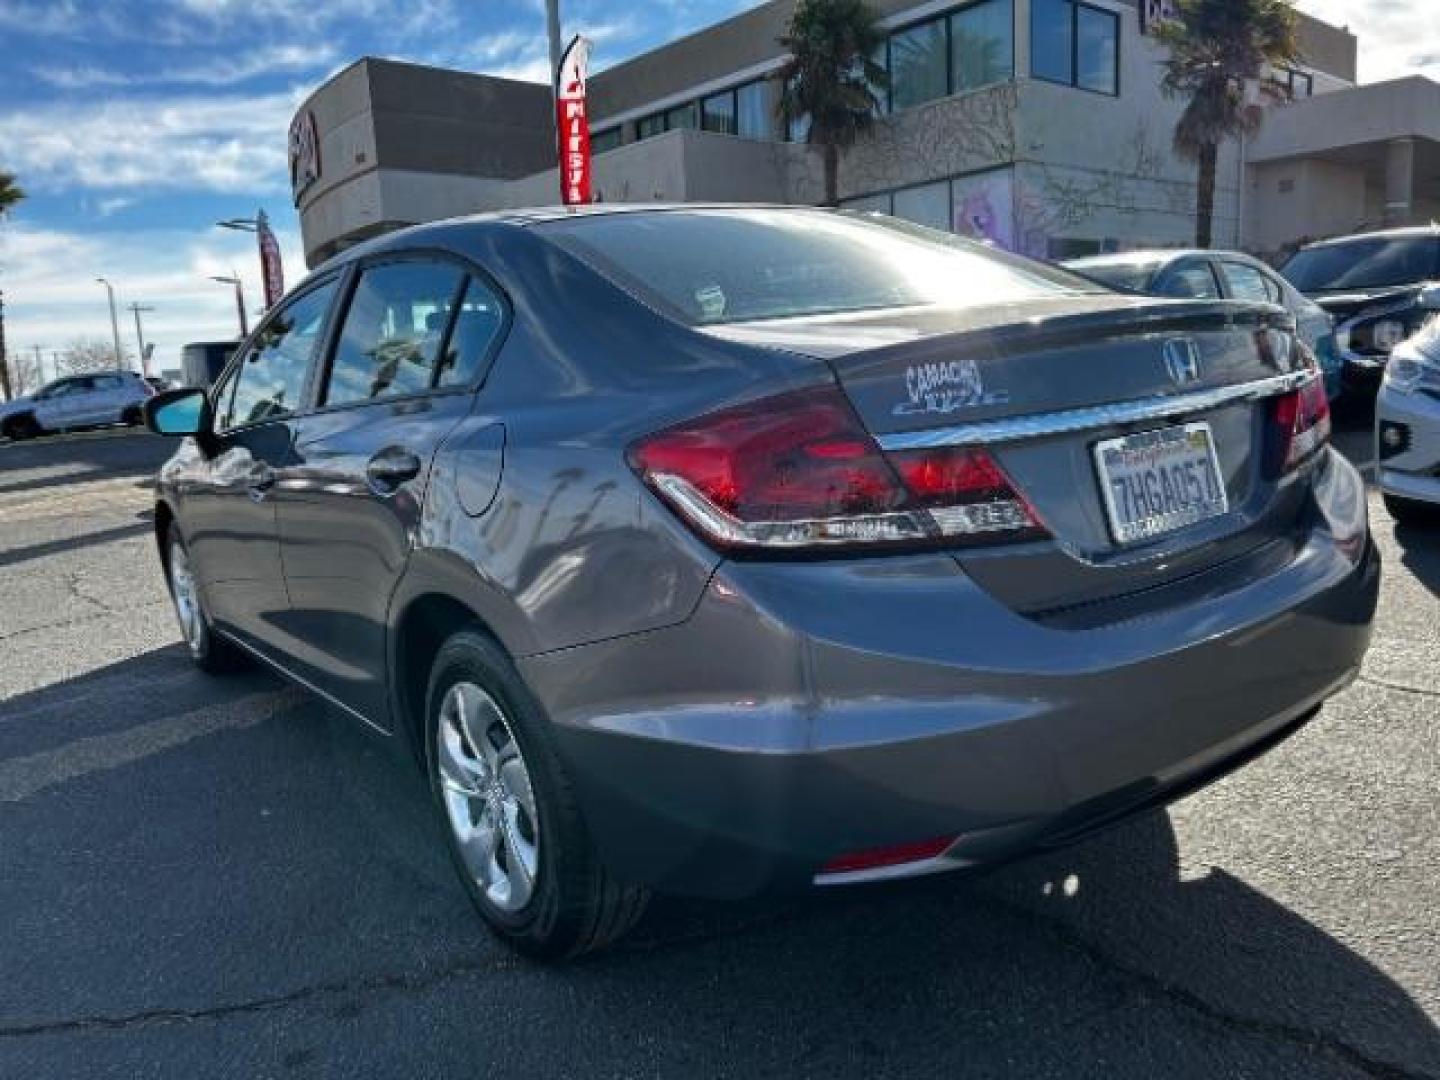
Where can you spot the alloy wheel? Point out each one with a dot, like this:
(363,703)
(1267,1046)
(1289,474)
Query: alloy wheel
(187,600)
(488,797)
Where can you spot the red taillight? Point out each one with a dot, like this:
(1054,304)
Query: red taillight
(1302,422)
(800,470)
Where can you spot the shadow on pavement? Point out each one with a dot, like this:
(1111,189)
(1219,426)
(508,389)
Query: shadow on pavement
(1420,551)
(70,544)
(57,463)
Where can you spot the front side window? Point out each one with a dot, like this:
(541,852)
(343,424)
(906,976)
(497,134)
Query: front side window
(919,65)
(982,45)
(390,341)
(271,375)
(709,267)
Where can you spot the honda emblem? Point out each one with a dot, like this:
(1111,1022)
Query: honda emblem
(1182,361)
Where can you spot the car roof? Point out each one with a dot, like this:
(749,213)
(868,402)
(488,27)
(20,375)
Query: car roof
(1413,232)
(1156,255)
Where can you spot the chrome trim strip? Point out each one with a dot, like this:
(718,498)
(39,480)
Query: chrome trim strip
(300,680)
(1044,425)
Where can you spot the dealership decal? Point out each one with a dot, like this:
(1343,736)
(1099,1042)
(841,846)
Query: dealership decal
(945,388)
(572,123)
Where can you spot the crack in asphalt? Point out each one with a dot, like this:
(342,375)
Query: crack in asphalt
(81,620)
(1309,1040)
(408,982)
(1305,1038)
(1404,688)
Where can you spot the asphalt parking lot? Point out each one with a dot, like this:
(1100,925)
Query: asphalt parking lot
(209,878)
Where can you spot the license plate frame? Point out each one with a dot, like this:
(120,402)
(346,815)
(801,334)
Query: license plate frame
(1192,491)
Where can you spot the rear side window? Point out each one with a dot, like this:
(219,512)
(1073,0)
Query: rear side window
(1374,263)
(1192,280)
(1248,283)
(271,376)
(477,325)
(394,331)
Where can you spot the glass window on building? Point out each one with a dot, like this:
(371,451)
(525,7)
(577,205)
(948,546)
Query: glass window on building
(1052,40)
(928,204)
(717,113)
(797,129)
(1075,44)
(752,113)
(982,45)
(919,65)
(600,141)
(1097,56)
(683,117)
(650,126)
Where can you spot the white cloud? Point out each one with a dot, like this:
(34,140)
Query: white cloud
(269,60)
(198,143)
(51,296)
(1397,37)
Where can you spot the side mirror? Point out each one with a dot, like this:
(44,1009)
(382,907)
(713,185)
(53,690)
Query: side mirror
(1430,298)
(178,412)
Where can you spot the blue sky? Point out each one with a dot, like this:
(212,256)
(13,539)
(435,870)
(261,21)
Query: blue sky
(136,125)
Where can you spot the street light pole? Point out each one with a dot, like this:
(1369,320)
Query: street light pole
(114,321)
(239,300)
(136,309)
(552,29)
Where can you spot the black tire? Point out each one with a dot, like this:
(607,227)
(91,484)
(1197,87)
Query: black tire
(22,427)
(575,906)
(210,652)
(1411,511)
(132,416)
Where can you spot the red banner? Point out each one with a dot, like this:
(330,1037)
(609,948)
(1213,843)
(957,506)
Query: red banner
(270,267)
(572,123)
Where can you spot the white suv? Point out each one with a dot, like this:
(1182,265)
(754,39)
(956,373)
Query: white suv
(76,401)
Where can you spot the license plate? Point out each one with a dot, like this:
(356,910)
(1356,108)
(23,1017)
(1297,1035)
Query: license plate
(1159,481)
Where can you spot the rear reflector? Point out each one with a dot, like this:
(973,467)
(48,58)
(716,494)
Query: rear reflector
(895,855)
(799,470)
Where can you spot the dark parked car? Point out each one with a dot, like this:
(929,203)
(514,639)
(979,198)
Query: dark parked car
(1210,275)
(1372,285)
(722,550)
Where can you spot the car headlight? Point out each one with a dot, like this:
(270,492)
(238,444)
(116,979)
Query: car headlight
(1417,361)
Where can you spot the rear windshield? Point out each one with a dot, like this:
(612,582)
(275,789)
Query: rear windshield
(1365,264)
(1132,277)
(710,267)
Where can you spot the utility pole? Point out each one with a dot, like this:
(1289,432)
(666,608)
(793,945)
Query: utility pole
(552,29)
(136,309)
(114,323)
(4,363)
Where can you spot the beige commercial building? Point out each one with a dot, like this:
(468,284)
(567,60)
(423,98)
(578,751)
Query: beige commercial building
(1038,124)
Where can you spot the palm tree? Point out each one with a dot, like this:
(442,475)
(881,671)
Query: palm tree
(832,78)
(1217,49)
(10,192)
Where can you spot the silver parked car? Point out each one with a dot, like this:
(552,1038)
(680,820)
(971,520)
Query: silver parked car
(1215,274)
(77,401)
(718,550)
(1407,420)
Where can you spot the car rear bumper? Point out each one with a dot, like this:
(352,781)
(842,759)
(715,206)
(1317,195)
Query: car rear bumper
(1411,470)
(812,710)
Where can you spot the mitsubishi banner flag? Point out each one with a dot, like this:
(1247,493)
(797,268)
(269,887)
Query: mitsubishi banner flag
(572,124)
(270,268)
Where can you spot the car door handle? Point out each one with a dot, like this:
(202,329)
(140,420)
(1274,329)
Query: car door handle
(390,468)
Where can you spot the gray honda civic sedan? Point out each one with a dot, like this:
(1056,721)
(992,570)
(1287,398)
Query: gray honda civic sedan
(721,550)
